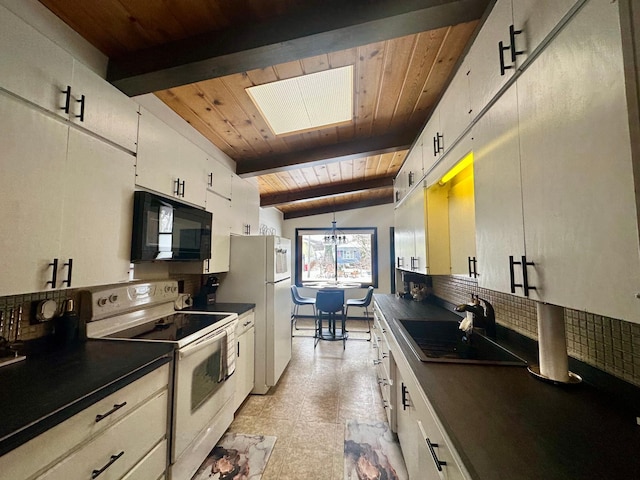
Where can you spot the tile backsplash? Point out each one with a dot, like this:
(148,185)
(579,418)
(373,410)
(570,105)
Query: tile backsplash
(31,328)
(608,344)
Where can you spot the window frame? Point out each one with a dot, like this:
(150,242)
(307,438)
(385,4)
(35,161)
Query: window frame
(345,230)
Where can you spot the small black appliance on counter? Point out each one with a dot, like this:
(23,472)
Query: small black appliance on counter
(207,294)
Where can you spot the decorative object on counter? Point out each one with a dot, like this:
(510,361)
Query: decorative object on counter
(370,451)
(419,292)
(237,457)
(207,294)
(67,325)
(552,347)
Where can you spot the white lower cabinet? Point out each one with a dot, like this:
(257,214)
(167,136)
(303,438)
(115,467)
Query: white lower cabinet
(121,434)
(427,453)
(245,334)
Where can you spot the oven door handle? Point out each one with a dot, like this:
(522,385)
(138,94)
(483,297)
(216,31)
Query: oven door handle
(202,343)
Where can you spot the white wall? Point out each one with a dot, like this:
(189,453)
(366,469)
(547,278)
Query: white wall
(380,216)
(272,218)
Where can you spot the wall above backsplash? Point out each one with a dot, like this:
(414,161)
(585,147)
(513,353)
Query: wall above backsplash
(608,344)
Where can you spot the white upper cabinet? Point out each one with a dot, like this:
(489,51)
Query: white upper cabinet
(245,207)
(34,152)
(170,164)
(219,178)
(220,208)
(432,141)
(490,62)
(39,71)
(31,66)
(498,193)
(98,209)
(100,107)
(455,108)
(513,30)
(579,200)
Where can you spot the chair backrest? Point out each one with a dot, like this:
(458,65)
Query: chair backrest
(367,298)
(330,301)
(295,295)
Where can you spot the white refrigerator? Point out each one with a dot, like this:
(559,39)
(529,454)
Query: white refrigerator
(260,273)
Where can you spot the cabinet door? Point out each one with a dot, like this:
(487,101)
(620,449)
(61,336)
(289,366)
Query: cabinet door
(485,78)
(535,19)
(462,227)
(98,209)
(34,150)
(31,66)
(220,208)
(403,238)
(406,428)
(252,207)
(219,178)
(455,110)
(430,138)
(244,366)
(165,158)
(498,193)
(245,205)
(107,111)
(578,189)
(417,231)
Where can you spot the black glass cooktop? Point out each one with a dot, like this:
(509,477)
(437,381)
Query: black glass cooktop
(172,328)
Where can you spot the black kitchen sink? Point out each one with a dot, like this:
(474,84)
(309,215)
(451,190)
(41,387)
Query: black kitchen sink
(442,341)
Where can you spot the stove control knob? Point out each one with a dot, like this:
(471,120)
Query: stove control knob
(174,289)
(167,289)
(113,298)
(102,302)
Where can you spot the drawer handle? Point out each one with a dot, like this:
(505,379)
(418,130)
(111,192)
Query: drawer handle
(112,460)
(377,362)
(439,463)
(115,408)
(405,402)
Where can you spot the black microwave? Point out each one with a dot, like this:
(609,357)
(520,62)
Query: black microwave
(165,229)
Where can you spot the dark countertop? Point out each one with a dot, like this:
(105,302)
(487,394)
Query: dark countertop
(506,424)
(46,389)
(238,308)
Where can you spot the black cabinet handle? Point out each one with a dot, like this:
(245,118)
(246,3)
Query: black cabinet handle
(435,145)
(210,182)
(525,276)
(512,36)
(473,267)
(54,274)
(179,190)
(399,262)
(67,100)
(405,402)
(501,50)
(69,266)
(439,463)
(439,137)
(112,460)
(410,178)
(81,102)
(115,408)
(397,195)
(238,355)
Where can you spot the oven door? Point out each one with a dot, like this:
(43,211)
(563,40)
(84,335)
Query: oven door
(203,386)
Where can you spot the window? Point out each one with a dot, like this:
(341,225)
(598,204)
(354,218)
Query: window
(353,260)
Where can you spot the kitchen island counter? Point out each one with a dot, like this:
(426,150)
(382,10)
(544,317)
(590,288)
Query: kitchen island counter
(506,424)
(48,388)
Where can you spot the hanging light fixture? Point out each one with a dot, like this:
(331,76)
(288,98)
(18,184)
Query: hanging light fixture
(334,236)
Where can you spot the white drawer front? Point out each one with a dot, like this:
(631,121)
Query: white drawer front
(153,465)
(53,444)
(116,450)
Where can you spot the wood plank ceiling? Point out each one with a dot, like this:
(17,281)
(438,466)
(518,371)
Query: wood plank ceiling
(399,75)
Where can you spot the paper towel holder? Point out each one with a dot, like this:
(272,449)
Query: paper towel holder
(552,348)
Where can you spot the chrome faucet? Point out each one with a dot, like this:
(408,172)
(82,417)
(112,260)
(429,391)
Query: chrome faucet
(483,315)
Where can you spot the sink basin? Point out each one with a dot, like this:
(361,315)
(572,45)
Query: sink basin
(442,341)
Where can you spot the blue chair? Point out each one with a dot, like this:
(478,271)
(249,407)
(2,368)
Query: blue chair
(330,307)
(364,303)
(298,300)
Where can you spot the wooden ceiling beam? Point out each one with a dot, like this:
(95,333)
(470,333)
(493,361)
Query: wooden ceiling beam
(325,191)
(319,29)
(340,207)
(359,148)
